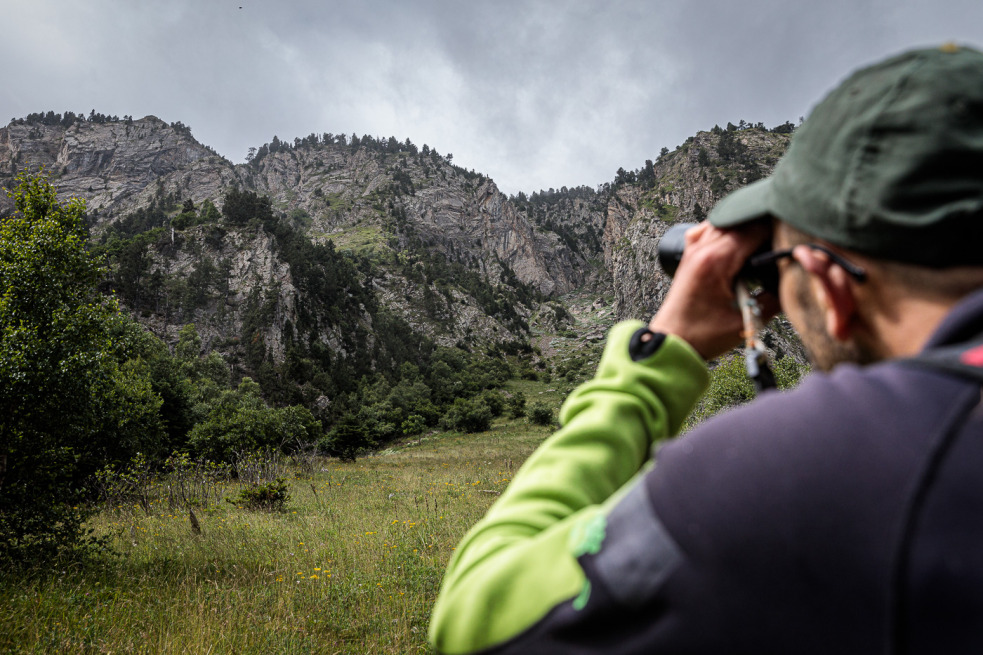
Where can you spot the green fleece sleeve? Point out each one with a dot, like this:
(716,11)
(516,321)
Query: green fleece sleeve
(520,560)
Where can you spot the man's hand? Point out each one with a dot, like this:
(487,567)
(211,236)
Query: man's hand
(701,306)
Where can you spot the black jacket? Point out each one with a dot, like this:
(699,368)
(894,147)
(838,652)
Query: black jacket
(845,516)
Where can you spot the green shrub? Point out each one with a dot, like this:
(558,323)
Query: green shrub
(468,416)
(788,372)
(414,424)
(381,420)
(239,421)
(270,496)
(347,440)
(517,405)
(413,397)
(540,413)
(184,220)
(495,401)
(730,386)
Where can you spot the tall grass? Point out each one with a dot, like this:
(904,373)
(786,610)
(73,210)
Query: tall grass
(351,566)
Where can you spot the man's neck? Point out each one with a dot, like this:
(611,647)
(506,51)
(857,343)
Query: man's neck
(906,326)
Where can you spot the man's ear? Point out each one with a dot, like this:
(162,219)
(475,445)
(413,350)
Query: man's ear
(835,291)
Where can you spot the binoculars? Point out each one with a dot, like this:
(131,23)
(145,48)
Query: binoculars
(673,242)
(762,272)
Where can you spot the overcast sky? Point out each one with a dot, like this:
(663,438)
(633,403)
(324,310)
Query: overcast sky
(533,93)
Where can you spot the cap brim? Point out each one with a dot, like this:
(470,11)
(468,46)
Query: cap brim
(744,205)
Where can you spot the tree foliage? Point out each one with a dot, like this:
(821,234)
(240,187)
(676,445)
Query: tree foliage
(83,387)
(730,385)
(540,413)
(468,415)
(240,422)
(65,405)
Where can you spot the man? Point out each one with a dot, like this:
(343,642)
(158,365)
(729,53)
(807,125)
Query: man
(845,516)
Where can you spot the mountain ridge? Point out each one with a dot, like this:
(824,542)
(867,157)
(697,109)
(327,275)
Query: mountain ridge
(436,248)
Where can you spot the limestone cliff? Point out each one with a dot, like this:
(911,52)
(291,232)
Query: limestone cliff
(352,195)
(115,166)
(440,247)
(346,190)
(680,187)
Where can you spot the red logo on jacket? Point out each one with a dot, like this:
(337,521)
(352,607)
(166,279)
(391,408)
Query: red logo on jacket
(973,357)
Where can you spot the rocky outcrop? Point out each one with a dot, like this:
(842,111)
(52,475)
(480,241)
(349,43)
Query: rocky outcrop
(463,216)
(115,166)
(230,273)
(683,186)
(631,236)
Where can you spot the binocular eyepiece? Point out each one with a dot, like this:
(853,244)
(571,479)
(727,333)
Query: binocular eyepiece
(673,243)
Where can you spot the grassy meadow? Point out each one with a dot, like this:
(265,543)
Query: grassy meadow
(352,565)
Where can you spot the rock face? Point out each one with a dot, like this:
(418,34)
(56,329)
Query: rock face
(242,266)
(683,187)
(425,223)
(117,166)
(459,214)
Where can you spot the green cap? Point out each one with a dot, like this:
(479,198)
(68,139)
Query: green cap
(889,164)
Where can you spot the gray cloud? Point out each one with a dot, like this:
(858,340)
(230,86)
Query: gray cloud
(535,94)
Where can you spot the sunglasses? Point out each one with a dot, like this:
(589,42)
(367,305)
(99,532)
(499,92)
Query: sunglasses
(765,269)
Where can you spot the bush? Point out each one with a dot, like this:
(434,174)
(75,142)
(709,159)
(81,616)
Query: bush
(414,398)
(517,405)
(730,385)
(271,496)
(414,424)
(240,421)
(468,416)
(540,413)
(788,372)
(495,401)
(347,440)
(381,420)
(184,220)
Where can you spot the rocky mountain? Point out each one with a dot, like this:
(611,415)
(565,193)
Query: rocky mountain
(116,166)
(680,187)
(315,249)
